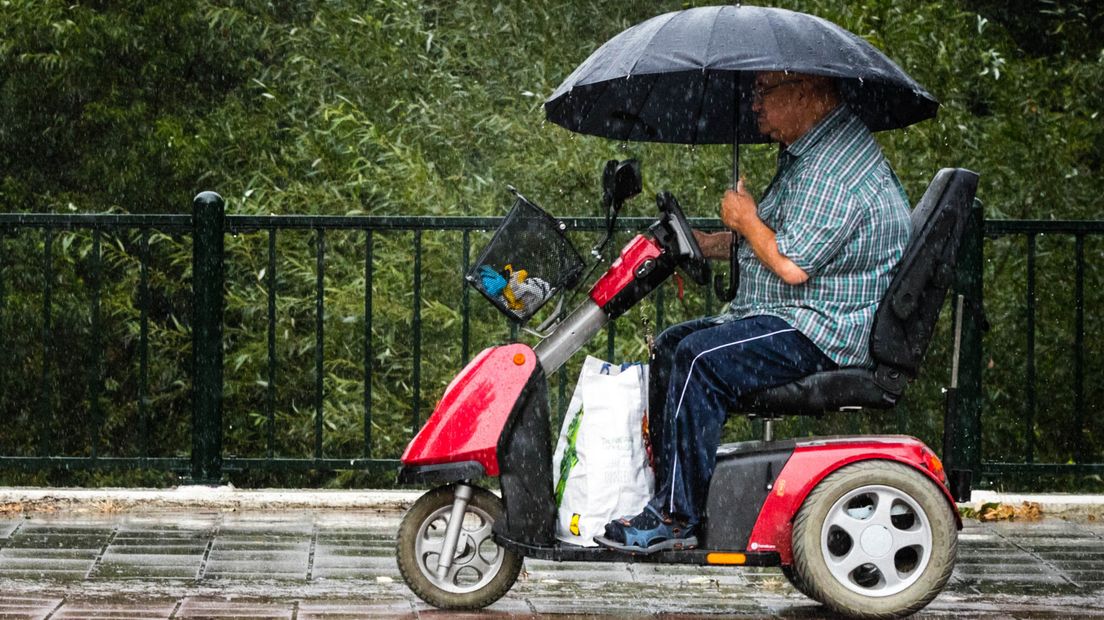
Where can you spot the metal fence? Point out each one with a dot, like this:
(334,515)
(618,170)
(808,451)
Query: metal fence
(1049,396)
(208,228)
(966,449)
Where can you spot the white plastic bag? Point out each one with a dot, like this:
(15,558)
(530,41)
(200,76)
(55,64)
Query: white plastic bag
(601,466)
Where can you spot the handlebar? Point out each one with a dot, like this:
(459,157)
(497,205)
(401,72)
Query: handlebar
(688,254)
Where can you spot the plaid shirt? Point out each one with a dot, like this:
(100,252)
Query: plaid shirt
(839,212)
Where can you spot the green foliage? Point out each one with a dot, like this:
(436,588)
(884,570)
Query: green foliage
(388,107)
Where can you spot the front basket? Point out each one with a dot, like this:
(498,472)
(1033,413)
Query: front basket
(527,262)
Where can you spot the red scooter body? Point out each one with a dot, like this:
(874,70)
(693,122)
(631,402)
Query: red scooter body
(816,458)
(468,420)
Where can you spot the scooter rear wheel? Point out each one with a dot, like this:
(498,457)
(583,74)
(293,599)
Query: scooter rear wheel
(481,572)
(875,539)
(796,581)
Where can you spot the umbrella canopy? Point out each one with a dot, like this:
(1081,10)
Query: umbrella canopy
(686,77)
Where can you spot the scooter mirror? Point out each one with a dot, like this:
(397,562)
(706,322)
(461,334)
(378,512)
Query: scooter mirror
(620,182)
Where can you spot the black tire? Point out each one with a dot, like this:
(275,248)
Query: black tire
(905,528)
(796,581)
(482,571)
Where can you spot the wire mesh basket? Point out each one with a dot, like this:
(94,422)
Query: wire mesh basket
(527,262)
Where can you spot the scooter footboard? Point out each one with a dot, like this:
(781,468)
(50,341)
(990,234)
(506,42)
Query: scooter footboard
(743,477)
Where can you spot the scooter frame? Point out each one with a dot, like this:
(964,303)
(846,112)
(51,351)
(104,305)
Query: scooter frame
(493,420)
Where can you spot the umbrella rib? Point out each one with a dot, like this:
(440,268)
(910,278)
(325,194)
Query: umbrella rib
(701,105)
(656,77)
(632,70)
(593,101)
(706,76)
(644,103)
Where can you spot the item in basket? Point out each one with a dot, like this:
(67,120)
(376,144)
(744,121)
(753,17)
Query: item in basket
(514,287)
(493,282)
(524,292)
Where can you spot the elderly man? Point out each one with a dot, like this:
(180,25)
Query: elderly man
(816,258)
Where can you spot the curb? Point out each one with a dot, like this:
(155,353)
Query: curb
(1058,505)
(28,499)
(37,499)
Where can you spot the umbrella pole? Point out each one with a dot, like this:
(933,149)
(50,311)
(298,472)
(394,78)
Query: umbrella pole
(728,291)
(736,154)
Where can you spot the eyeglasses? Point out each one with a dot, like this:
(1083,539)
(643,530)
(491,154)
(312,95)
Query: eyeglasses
(759,93)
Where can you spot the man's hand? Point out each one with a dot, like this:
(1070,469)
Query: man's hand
(739,209)
(739,212)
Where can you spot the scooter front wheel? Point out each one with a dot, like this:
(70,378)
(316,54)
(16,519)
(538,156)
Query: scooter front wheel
(875,539)
(481,571)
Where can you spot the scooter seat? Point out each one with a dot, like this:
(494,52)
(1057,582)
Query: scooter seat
(822,392)
(905,319)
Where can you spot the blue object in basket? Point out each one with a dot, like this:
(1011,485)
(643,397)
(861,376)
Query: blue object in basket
(493,282)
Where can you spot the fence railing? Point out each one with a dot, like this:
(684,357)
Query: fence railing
(1060,431)
(43,418)
(208,228)
(969,434)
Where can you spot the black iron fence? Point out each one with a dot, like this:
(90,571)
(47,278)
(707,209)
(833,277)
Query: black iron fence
(200,315)
(1043,358)
(180,417)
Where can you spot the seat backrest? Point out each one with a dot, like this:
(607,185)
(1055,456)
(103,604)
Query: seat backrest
(905,319)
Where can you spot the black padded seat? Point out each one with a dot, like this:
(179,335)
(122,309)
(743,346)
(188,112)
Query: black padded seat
(904,321)
(815,394)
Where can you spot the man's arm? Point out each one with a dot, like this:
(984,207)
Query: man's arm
(714,246)
(738,212)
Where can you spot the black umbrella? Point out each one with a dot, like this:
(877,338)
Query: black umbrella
(686,77)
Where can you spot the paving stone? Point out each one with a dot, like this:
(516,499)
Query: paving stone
(1033,585)
(233,608)
(28,607)
(36,552)
(251,571)
(350,566)
(64,564)
(352,610)
(7,526)
(115,609)
(109,572)
(116,548)
(1001,556)
(44,574)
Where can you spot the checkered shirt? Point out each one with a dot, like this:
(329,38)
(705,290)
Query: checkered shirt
(839,212)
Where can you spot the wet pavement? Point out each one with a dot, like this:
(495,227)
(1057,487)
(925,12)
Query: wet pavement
(340,564)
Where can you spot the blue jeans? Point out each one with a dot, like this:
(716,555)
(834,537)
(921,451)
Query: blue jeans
(699,372)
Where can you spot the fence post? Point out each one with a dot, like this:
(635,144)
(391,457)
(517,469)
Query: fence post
(208,218)
(962,416)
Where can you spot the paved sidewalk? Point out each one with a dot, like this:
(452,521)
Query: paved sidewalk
(340,564)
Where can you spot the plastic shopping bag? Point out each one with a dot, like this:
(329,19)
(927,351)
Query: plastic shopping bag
(601,464)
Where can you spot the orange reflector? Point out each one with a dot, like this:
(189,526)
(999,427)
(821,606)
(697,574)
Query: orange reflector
(934,465)
(726,558)
(519,359)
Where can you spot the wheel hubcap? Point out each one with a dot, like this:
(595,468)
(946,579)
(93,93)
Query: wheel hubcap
(876,540)
(477,558)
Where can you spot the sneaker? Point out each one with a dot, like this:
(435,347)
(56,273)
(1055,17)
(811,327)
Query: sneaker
(647,533)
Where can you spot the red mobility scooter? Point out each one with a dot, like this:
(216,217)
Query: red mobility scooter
(863,524)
